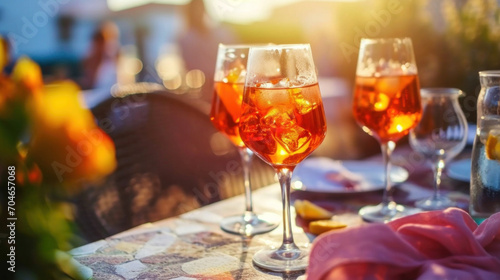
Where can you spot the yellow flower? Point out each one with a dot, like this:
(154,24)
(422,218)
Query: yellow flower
(28,77)
(66,144)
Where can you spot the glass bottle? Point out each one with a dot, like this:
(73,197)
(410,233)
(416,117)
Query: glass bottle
(485,167)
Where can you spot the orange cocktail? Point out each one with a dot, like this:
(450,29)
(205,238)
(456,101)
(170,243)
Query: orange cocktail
(283,124)
(388,106)
(226,110)
(230,73)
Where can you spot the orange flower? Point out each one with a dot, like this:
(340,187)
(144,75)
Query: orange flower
(66,144)
(14,92)
(25,81)
(4,53)
(7,92)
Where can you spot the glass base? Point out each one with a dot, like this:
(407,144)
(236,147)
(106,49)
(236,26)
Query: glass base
(250,224)
(281,260)
(383,214)
(434,203)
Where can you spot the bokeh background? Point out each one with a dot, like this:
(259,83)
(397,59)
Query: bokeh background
(155,156)
(171,41)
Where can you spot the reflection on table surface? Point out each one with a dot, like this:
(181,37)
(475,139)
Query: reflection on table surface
(192,246)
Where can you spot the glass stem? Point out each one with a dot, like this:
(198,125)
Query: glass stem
(285,178)
(387,200)
(246,160)
(438,170)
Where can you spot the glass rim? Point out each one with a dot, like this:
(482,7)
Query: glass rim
(385,40)
(494,73)
(242,46)
(440,91)
(283,46)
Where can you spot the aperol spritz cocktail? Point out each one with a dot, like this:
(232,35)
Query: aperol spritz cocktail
(386,105)
(226,109)
(282,122)
(225,114)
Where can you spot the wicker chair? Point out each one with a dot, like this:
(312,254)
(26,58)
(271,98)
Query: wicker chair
(170,160)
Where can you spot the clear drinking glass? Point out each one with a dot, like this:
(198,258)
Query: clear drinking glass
(386,105)
(283,121)
(440,136)
(229,79)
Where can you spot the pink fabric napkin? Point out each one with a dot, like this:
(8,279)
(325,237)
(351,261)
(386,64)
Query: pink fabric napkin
(444,244)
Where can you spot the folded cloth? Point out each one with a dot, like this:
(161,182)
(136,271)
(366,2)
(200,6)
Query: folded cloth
(444,244)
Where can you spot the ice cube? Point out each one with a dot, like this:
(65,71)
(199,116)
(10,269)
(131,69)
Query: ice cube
(380,102)
(293,138)
(401,123)
(249,123)
(266,98)
(303,80)
(259,136)
(388,85)
(302,105)
(262,98)
(263,142)
(366,82)
(285,83)
(233,74)
(279,116)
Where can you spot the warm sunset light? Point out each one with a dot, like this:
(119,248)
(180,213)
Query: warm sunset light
(250,139)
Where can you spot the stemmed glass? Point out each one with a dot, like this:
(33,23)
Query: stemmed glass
(440,136)
(283,121)
(225,114)
(386,105)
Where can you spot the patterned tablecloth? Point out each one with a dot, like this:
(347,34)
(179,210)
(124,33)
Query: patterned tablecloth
(192,246)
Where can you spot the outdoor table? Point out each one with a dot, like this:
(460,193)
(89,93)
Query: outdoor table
(192,245)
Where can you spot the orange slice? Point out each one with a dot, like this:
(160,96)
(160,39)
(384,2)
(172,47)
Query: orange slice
(493,145)
(310,211)
(319,227)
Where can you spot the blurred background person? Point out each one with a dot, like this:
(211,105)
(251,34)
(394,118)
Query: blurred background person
(100,65)
(198,43)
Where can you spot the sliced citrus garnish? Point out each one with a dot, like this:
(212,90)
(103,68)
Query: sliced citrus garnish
(493,145)
(310,211)
(319,227)
(234,74)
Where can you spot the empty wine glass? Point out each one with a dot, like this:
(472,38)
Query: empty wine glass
(440,136)
(386,105)
(230,71)
(283,121)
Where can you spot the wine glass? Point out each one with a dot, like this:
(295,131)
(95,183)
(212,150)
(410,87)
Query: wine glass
(386,105)
(225,115)
(283,121)
(440,136)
